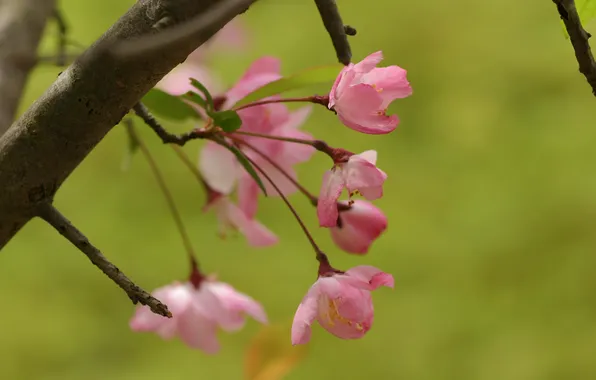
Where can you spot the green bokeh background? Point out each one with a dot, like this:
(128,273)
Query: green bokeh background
(491,199)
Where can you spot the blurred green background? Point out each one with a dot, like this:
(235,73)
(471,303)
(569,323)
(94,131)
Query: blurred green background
(491,200)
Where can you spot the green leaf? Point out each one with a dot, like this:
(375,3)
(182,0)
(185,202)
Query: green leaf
(168,106)
(306,78)
(195,98)
(229,120)
(243,161)
(199,86)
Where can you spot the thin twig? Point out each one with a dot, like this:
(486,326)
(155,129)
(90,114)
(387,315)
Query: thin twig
(168,138)
(148,44)
(52,216)
(61,37)
(579,39)
(335,27)
(166,192)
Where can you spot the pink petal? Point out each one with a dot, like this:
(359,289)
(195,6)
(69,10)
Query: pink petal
(177,81)
(198,332)
(359,174)
(370,276)
(256,234)
(248,194)
(236,305)
(260,73)
(391,83)
(305,315)
(331,188)
(360,226)
(361,108)
(344,80)
(369,63)
(349,314)
(218,167)
(369,155)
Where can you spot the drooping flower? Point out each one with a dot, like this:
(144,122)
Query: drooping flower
(362,92)
(341,303)
(231,217)
(358,227)
(197,313)
(357,174)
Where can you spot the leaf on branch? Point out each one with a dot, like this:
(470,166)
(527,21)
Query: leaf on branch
(306,78)
(168,106)
(243,161)
(269,355)
(229,120)
(586,10)
(208,98)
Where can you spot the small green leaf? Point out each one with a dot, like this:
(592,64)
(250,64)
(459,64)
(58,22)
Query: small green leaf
(243,161)
(168,106)
(229,120)
(195,98)
(199,86)
(310,77)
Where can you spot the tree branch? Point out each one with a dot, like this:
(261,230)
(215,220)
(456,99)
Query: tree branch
(166,137)
(51,215)
(21,25)
(335,27)
(579,39)
(92,95)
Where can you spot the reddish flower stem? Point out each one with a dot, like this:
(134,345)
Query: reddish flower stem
(321,257)
(319,145)
(322,100)
(195,273)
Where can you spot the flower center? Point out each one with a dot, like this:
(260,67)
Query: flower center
(332,315)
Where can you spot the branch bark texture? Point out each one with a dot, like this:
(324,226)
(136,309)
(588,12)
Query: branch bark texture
(21,25)
(137,295)
(579,39)
(61,128)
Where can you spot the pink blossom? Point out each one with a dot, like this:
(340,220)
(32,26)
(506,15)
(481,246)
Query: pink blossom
(230,217)
(358,227)
(341,303)
(358,174)
(177,81)
(261,72)
(197,313)
(362,92)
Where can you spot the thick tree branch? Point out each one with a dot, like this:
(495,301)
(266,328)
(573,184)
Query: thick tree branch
(335,27)
(51,215)
(92,95)
(21,25)
(579,39)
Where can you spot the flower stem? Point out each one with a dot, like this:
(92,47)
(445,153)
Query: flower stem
(168,195)
(321,257)
(322,100)
(319,145)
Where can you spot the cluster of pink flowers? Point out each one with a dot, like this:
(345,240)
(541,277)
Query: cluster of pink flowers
(270,137)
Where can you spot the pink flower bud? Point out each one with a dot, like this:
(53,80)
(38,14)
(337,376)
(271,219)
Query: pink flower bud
(358,227)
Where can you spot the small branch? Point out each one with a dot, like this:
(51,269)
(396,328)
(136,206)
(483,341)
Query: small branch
(53,217)
(166,137)
(61,37)
(165,191)
(316,99)
(335,27)
(579,39)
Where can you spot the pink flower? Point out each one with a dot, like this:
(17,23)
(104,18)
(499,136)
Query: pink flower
(231,217)
(358,174)
(341,303)
(197,313)
(177,81)
(358,227)
(362,92)
(262,71)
